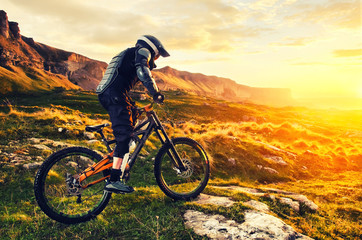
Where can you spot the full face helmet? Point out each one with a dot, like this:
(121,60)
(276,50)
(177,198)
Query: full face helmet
(154,45)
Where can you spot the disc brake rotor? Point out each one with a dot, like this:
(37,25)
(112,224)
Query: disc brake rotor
(73,186)
(189,169)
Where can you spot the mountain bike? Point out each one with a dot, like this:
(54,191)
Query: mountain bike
(69,186)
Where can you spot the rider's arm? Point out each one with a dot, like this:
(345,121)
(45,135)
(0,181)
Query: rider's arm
(143,56)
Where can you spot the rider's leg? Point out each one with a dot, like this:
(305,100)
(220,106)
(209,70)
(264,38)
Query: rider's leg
(115,185)
(117,162)
(122,125)
(116,169)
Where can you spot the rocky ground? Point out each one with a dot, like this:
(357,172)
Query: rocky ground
(30,153)
(259,220)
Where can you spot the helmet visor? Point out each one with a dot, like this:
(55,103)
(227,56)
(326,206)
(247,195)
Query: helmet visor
(163,52)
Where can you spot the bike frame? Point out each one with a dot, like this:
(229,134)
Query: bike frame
(140,136)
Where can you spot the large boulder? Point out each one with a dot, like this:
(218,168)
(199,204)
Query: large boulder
(257,225)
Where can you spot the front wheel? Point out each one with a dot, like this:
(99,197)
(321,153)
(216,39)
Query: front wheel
(61,196)
(186,184)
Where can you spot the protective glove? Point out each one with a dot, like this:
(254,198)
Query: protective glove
(158,98)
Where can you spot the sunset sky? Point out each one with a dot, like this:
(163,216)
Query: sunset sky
(313,47)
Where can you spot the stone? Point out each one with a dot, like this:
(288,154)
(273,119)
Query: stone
(270,196)
(16,158)
(86,161)
(270,170)
(216,200)
(267,169)
(193,121)
(290,154)
(60,144)
(41,147)
(89,135)
(275,190)
(72,164)
(308,203)
(34,140)
(257,205)
(297,197)
(39,159)
(277,160)
(32,165)
(232,161)
(293,204)
(251,191)
(257,225)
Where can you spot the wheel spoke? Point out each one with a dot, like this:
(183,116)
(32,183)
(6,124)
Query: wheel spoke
(183,184)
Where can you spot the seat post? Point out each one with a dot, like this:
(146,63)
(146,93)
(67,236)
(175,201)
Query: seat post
(104,140)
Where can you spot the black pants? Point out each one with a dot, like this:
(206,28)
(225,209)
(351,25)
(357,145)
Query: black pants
(123,115)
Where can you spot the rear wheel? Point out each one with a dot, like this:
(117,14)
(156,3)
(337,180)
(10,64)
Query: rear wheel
(182,184)
(60,195)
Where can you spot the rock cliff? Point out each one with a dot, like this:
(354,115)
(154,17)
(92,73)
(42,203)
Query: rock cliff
(20,54)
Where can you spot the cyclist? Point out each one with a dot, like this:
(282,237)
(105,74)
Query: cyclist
(122,73)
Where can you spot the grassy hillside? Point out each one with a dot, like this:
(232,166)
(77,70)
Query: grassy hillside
(27,79)
(317,153)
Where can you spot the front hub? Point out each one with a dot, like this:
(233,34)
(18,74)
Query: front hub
(73,186)
(189,169)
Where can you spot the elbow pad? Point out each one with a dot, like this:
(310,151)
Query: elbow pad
(144,75)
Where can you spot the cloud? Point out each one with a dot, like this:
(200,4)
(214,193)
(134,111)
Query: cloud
(290,41)
(343,14)
(347,52)
(207,25)
(308,63)
(91,23)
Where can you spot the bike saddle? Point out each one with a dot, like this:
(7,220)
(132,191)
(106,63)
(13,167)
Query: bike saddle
(96,128)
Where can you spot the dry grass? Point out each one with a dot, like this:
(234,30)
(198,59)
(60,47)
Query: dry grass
(302,147)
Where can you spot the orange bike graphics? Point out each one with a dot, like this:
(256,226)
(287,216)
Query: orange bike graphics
(102,165)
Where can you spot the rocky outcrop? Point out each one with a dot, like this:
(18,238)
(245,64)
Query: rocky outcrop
(24,157)
(293,200)
(257,224)
(4,24)
(15,30)
(215,200)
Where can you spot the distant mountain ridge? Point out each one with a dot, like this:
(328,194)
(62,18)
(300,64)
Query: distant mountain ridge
(26,65)
(168,78)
